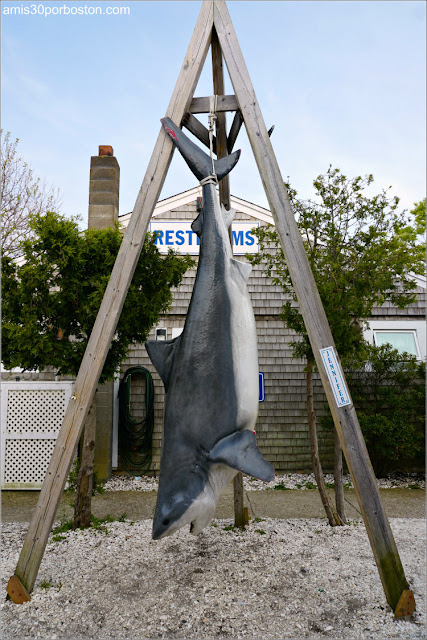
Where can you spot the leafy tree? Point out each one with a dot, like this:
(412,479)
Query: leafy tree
(51,300)
(22,194)
(389,396)
(419,213)
(361,250)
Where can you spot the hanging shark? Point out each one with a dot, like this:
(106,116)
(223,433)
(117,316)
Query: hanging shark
(210,372)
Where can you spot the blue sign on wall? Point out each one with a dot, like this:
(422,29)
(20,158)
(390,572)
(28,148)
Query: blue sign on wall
(178,235)
(261,388)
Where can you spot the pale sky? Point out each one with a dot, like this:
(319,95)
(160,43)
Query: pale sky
(343,83)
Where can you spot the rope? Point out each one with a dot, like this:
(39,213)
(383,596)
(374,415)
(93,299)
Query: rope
(136,436)
(213,102)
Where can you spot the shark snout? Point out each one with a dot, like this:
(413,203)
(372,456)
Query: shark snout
(161,526)
(167,515)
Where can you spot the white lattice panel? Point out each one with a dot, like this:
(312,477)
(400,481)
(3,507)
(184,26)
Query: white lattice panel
(32,414)
(35,453)
(35,411)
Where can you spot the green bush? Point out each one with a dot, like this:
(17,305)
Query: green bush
(388,393)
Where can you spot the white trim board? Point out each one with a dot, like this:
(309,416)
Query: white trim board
(187,197)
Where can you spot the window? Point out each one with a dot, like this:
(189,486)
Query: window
(403,341)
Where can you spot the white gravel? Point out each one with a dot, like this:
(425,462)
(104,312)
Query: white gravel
(277,579)
(289,481)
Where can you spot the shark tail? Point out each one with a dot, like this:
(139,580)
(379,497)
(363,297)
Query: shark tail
(198,161)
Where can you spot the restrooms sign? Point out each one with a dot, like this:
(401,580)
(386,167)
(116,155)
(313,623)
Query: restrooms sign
(178,235)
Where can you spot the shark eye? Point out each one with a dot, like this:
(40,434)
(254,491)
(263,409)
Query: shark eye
(166,522)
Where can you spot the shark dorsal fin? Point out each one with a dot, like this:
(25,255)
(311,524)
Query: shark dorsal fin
(239,451)
(161,354)
(228,215)
(241,269)
(197,224)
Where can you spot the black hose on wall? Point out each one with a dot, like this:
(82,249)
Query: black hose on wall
(136,436)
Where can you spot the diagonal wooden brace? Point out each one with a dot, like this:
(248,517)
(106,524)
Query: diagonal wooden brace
(377,526)
(111,306)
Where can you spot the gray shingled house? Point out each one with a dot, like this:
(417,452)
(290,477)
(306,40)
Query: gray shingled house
(33,402)
(282,431)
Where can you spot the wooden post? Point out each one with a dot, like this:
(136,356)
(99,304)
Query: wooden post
(338,478)
(239,509)
(224,198)
(111,306)
(221,124)
(351,438)
(83,499)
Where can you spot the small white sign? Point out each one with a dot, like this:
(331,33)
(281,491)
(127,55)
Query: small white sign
(178,235)
(335,376)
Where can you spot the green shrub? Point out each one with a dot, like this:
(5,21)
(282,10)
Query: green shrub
(388,393)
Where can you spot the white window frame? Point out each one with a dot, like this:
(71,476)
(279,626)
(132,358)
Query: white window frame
(416,327)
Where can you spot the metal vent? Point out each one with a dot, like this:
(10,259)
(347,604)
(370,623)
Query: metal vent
(32,414)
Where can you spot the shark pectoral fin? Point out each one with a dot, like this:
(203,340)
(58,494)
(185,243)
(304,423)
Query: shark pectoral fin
(228,215)
(241,269)
(240,452)
(161,354)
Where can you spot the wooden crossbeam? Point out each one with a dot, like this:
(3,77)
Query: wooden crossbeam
(345,419)
(202,105)
(198,129)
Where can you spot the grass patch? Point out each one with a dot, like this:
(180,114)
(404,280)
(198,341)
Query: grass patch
(98,524)
(280,487)
(310,485)
(260,531)
(45,584)
(414,486)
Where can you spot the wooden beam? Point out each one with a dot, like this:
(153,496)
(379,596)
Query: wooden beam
(198,129)
(234,130)
(111,306)
(224,198)
(351,438)
(221,124)
(202,105)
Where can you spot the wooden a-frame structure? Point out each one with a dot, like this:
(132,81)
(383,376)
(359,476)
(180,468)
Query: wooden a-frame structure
(214,28)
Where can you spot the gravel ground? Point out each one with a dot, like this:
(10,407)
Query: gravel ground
(289,480)
(277,579)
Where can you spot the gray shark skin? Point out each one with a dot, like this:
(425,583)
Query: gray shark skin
(210,372)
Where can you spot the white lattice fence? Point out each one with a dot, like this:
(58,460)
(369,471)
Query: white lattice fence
(32,414)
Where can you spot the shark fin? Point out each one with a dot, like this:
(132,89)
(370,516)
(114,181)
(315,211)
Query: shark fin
(197,224)
(228,215)
(161,353)
(199,162)
(240,452)
(223,166)
(242,268)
